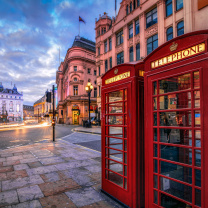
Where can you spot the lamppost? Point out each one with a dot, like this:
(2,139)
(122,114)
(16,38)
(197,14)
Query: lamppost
(88,89)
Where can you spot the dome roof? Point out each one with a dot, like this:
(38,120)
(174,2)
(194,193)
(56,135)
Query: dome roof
(14,88)
(1,86)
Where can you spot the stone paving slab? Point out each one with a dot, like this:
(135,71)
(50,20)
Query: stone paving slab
(29,204)
(8,198)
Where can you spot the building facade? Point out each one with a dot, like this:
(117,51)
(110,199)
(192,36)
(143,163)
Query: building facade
(140,27)
(72,77)
(11,104)
(28,112)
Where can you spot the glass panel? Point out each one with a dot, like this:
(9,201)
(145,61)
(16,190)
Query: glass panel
(175,101)
(176,136)
(116,108)
(125,132)
(125,107)
(177,154)
(116,143)
(155,119)
(155,166)
(125,158)
(196,80)
(155,181)
(155,197)
(176,189)
(125,119)
(155,134)
(116,179)
(116,167)
(198,138)
(125,94)
(197,118)
(116,131)
(116,96)
(197,99)
(115,120)
(106,141)
(198,197)
(198,158)
(155,150)
(106,109)
(176,171)
(176,118)
(125,145)
(125,183)
(169,202)
(154,88)
(198,178)
(125,170)
(155,103)
(116,155)
(176,83)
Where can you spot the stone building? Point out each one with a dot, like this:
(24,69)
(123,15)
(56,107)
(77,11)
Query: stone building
(28,112)
(140,27)
(72,77)
(11,104)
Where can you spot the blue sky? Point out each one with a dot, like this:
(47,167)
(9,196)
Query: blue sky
(31,32)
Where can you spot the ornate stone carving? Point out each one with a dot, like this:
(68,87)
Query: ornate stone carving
(137,38)
(130,42)
(119,48)
(141,15)
(151,31)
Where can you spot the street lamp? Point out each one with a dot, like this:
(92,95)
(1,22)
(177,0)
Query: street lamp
(88,89)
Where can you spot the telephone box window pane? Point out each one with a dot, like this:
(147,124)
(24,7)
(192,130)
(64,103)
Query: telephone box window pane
(125,119)
(155,119)
(155,181)
(116,131)
(177,118)
(198,197)
(198,158)
(116,143)
(175,101)
(106,120)
(106,141)
(115,155)
(155,103)
(125,132)
(125,183)
(113,177)
(125,170)
(154,88)
(155,150)
(115,120)
(169,202)
(178,172)
(197,118)
(198,138)
(116,108)
(155,197)
(116,167)
(125,107)
(176,136)
(125,158)
(176,189)
(177,154)
(155,166)
(177,83)
(106,98)
(196,80)
(125,145)
(125,94)
(198,178)
(155,134)
(197,99)
(116,96)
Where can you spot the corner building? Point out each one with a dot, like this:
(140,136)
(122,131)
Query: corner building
(72,77)
(140,27)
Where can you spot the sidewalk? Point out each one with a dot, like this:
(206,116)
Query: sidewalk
(51,175)
(93,130)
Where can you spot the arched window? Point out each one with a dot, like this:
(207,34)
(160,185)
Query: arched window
(169,33)
(127,10)
(169,9)
(75,79)
(180,28)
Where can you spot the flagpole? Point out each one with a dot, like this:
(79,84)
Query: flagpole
(79,28)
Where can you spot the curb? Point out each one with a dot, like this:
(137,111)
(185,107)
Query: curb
(81,131)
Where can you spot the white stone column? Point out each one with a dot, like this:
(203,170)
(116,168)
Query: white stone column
(142,25)
(125,43)
(160,21)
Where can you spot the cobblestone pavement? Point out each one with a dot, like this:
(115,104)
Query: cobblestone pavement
(51,175)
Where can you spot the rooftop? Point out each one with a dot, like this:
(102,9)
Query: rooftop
(84,43)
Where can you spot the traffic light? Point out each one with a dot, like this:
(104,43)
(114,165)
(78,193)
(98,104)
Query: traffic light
(48,97)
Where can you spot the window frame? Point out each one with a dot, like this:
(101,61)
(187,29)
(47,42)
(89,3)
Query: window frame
(110,62)
(105,46)
(167,4)
(106,65)
(130,27)
(178,29)
(152,43)
(168,34)
(137,26)
(121,58)
(151,14)
(136,51)
(178,7)
(131,54)
(119,38)
(75,90)
(110,44)
(75,67)
(127,9)
(95,72)
(130,7)
(89,71)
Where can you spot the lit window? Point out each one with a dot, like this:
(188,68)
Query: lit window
(151,17)
(137,51)
(10,96)
(130,31)
(127,10)
(75,90)
(130,7)
(152,43)
(18,108)
(11,106)
(19,97)
(119,38)
(137,26)
(169,33)
(105,46)
(106,65)
(75,68)
(110,62)
(120,58)
(169,9)
(180,28)
(110,44)
(88,70)
(131,54)
(95,72)
(179,4)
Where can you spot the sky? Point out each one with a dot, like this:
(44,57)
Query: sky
(31,33)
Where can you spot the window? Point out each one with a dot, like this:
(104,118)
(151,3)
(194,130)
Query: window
(18,108)
(137,51)
(169,9)
(169,33)
(106,65)
(75,79)
(19,97)
(95,72)
(110,62)
(10,96)
(130,7)
(130,31)
(180,28)
(151,18)
(179,4)
(134,4)
(98,32)
(103,30)
(95,82)
(99,70)
(95,92)
(110,44)
(138,2)
(75,90)
(88,70)
(137,26)
(131,54)
(98,51)
(120,58)
(152,43)
(127,10)
(105,46)
(99,90)
(119,38)
(11,106)
(75,68)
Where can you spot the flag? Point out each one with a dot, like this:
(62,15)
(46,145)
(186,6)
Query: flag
(81,20)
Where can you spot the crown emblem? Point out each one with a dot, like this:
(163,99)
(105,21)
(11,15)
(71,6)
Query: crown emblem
(174,46)
(116,71)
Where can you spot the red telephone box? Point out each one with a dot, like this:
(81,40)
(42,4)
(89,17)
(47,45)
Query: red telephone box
(176,123)
(122,133)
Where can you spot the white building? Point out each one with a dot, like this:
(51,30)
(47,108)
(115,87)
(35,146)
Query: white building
(11,104)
